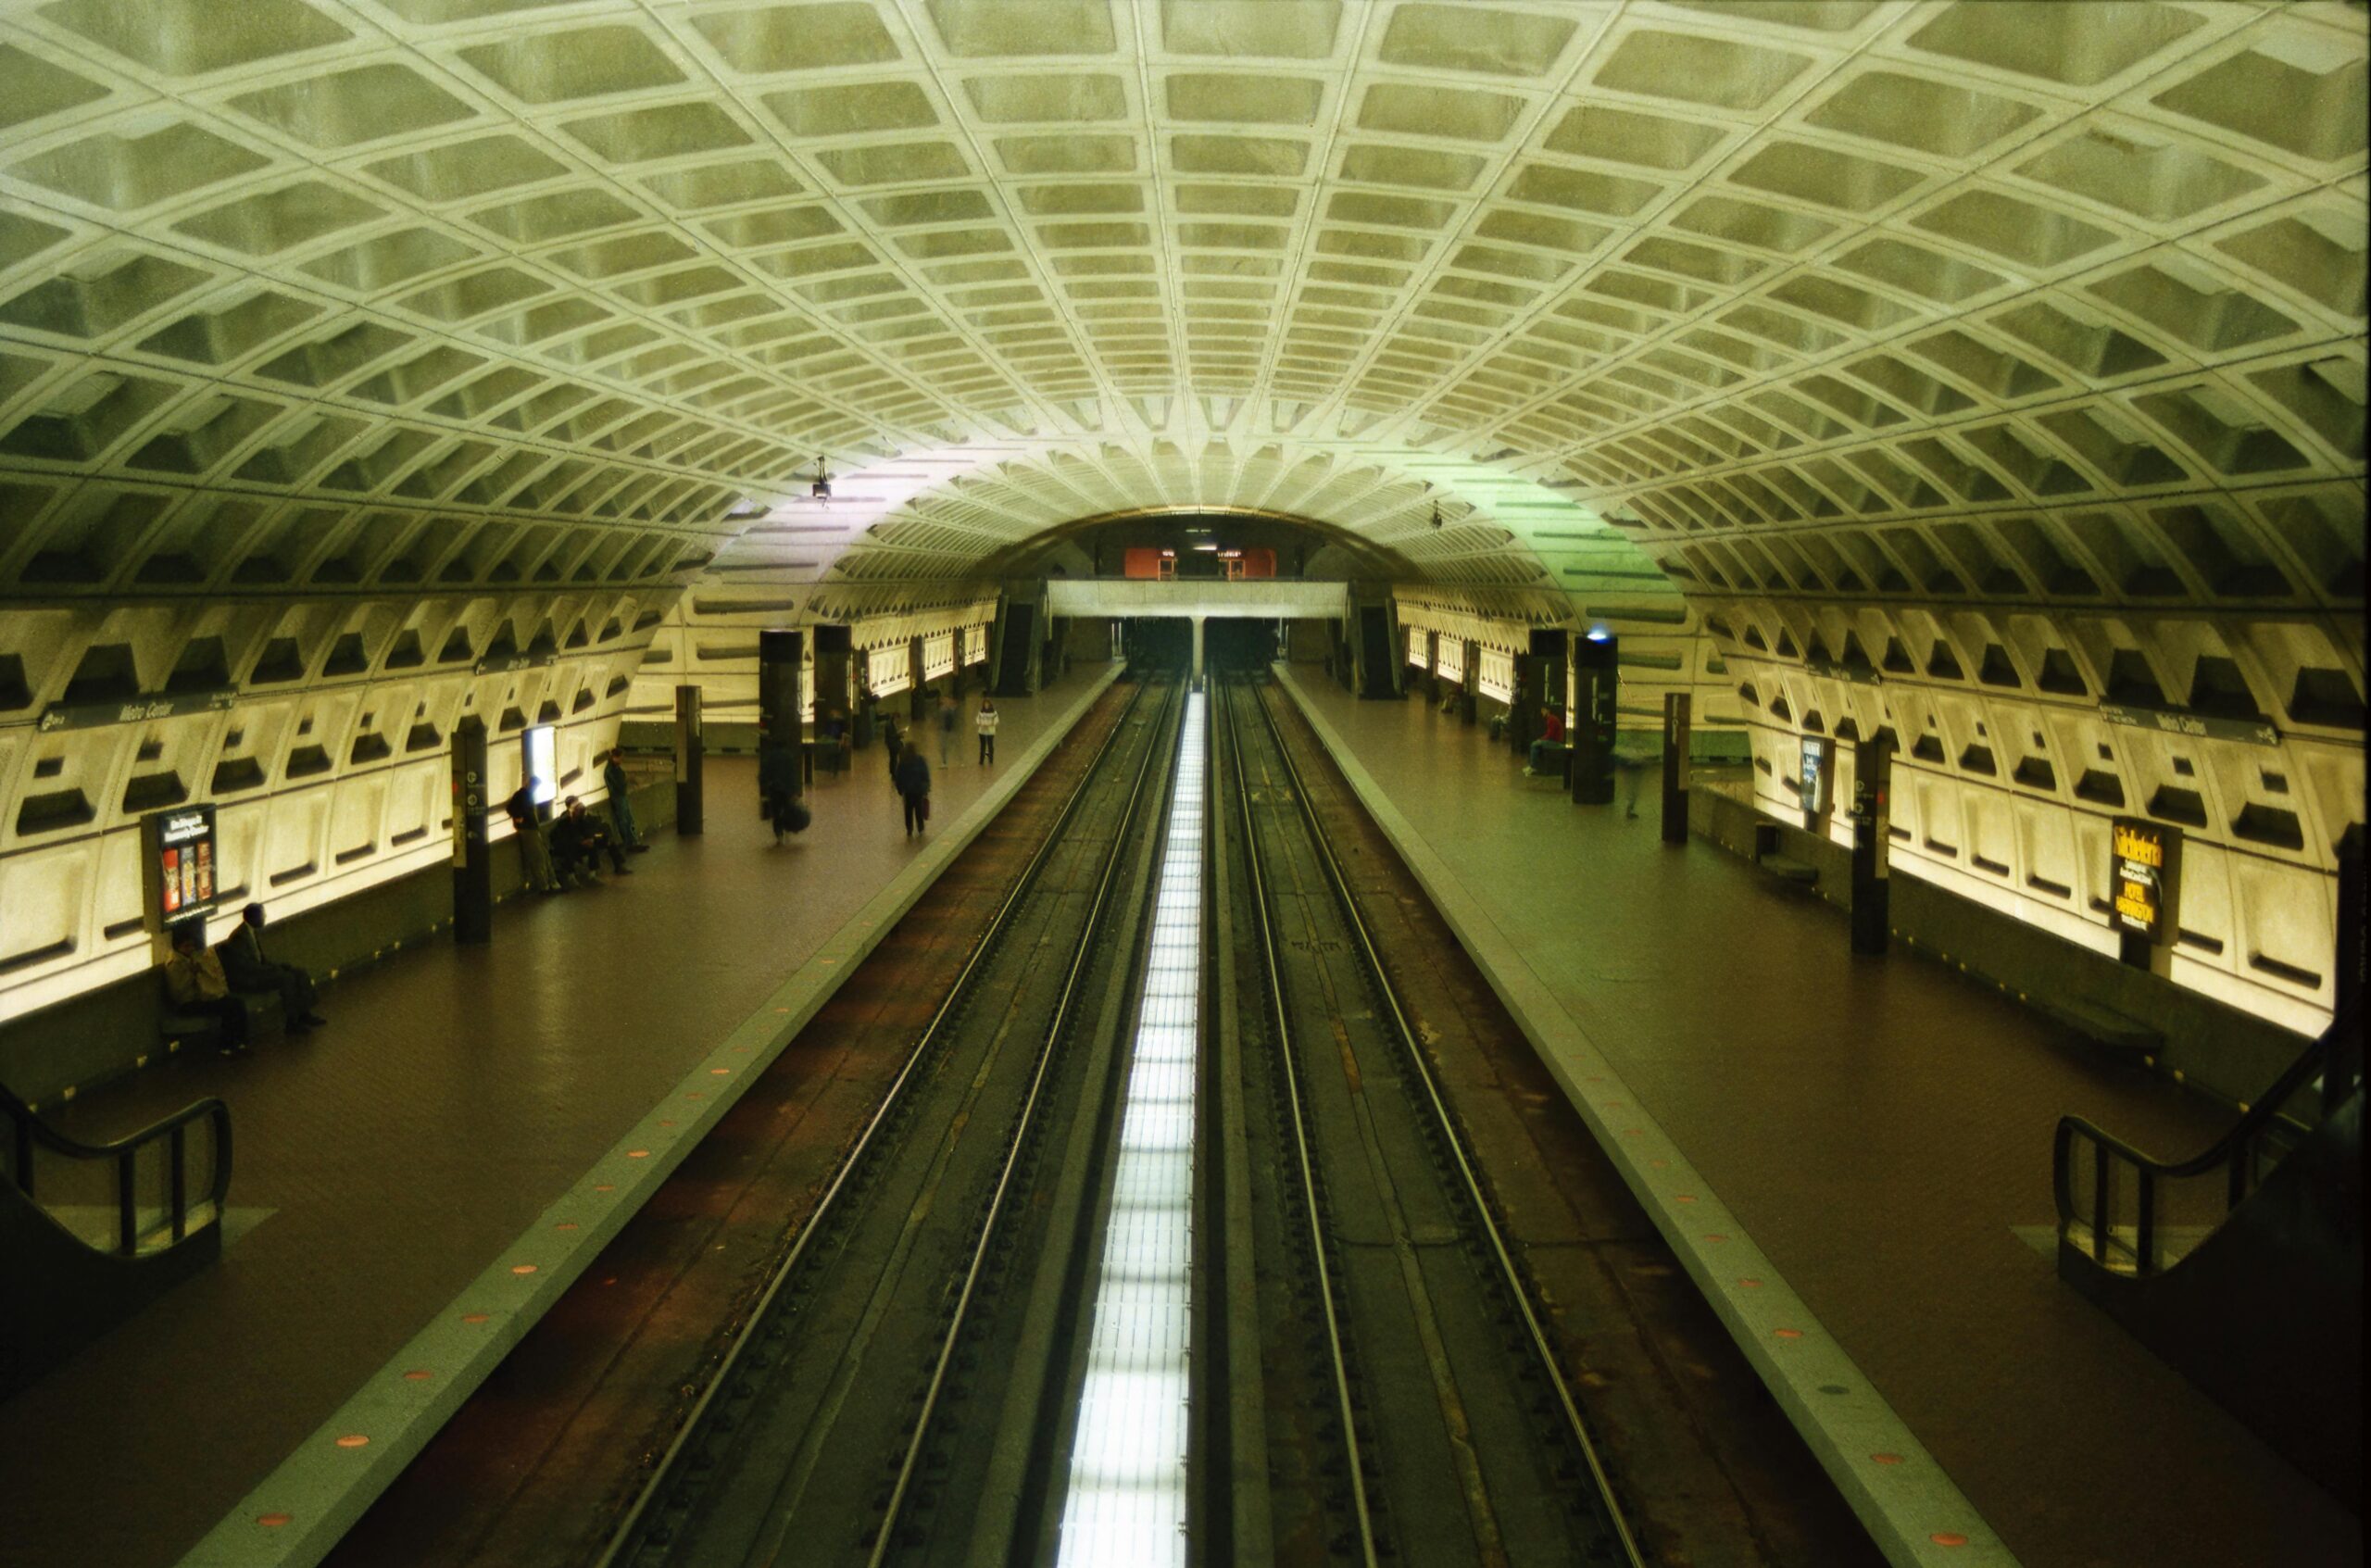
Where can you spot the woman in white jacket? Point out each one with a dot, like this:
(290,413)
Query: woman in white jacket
(986,726)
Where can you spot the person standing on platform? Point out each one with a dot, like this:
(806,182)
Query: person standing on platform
(945,730)
(194,982)
(249,968)
(534,855)
(914,785)
(986,726)
(620,788)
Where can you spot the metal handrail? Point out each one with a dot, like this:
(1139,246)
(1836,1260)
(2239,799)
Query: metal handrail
(31,1131)
(2327,1057)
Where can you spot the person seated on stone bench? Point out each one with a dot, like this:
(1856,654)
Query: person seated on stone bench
(578,838)
(1550,747)
(249,968)
(195,984)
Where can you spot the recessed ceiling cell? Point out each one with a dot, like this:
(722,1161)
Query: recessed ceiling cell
(1626,136)
(2322,261)
(1299,30)
(467,168)
(1824,177)
(1536,228)
(2076,45)
(94,305)
(854,110)
(724,185)
(1407,109)
(2088,348)
(894,163)
(980,29)
(23,238)
(1915,269)
(388,259)
(1695,69)
(2162,181)
(1070,98)
(628,253)
(1585,190)
(560,67)
(474,294)
(2194,308)
(773,226)
(276,221)
(1751,223)
(556,215)
(122,173)
(1462,37)
(191,37)
(1245,99)
(2301,91)
(2020,231)
(1920,114)
(32,87)
(767,39)
(347,106)
(664,131)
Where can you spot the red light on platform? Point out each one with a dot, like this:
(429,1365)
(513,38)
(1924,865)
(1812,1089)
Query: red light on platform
(1751,1284)
(1790,1334)
(1947,1537)
(474,1317)
(273,1520)
(354,1440)
(1884,1458)
(523,1268)
(418,1374)
(565,1226)
(637,1154)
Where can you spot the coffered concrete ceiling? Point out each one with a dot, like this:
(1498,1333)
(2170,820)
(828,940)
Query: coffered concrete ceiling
(2028,302)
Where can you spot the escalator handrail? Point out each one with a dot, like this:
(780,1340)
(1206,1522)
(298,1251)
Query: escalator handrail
(2274,1100)
(29,1125)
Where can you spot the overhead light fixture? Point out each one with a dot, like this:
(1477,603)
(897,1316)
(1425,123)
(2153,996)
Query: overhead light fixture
(1436,514)
(822,489)
(1596,634)
(1207,546)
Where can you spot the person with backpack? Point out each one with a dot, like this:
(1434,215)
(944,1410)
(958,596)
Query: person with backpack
(913,786)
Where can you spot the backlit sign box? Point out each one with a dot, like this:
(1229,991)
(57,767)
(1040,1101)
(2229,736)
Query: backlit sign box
(180,864)
(1818,776)
(2142,876)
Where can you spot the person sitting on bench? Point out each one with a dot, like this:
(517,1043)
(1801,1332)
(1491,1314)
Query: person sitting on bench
(194,982)
(578,838)
(1551,736)
(248,968)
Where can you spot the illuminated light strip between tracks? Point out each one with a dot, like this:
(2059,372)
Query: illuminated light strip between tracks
(1126,1496)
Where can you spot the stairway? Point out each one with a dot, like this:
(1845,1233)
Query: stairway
(2261,1306)
(92,1232)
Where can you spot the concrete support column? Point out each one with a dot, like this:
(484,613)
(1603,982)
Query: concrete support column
(472,863)
(1872,829)
(1197,650)
(689,816)
(916,687)
(781,734)
(1675,719)
(1591,734)
(1469,696)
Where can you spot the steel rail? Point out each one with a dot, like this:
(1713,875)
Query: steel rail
(624,1538)
(1015,1146)
(1538,1334)
(1303,1158)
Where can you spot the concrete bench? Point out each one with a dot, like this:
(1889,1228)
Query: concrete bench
(1790,870)
(2104,1027)
(175,1027)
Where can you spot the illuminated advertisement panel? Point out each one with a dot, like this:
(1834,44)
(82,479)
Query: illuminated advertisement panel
(180,863)
(1817,776)
(2141,874)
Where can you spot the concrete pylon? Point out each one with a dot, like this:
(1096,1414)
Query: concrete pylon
(1197,650)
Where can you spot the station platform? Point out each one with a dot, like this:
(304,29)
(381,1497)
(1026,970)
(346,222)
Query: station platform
(1851,1157)
(391,1166)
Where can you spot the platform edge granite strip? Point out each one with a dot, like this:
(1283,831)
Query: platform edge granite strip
(319,1491)
(1913,1511)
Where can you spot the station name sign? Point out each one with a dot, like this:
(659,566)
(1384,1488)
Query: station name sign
(139,711)
(2141,872)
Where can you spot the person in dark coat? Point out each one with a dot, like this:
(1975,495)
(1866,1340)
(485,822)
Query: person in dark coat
(534,855)
(249,968)
(620,788)
(777,789)
(914,785)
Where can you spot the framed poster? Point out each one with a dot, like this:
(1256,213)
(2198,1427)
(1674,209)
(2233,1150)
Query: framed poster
(1818,775)
(178,864)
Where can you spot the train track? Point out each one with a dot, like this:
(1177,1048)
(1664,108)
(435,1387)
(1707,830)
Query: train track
(824,1433)
(1434,1421)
